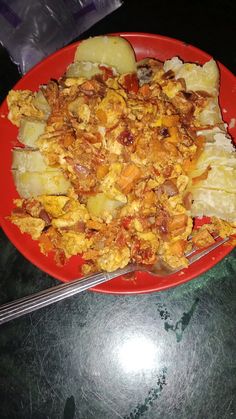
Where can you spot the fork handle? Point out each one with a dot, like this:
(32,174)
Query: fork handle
(28,304)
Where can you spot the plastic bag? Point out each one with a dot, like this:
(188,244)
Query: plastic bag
(31,30)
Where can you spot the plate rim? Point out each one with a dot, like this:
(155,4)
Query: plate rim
(26,253)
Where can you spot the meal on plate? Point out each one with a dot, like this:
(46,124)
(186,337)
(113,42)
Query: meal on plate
(118,157)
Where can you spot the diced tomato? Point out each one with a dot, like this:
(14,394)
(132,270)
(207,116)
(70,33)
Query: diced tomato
(142,254)
(126,221)
(60,257)
(107,72)
(131,83)
(121,239)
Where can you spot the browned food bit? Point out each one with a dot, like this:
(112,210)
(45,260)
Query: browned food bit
(202,238)
(45,216)
(126,138)
(130,174)
(177,222)
(169,188)
(51,92)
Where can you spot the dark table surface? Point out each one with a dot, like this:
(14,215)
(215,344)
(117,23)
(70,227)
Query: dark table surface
(167,355)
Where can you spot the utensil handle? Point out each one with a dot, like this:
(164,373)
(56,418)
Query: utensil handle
(51,295)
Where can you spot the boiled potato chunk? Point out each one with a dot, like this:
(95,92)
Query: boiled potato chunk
(30,184)
(211,114)
(219,178)
(214,203)
(27,160)
(218,138)
(113,51)
(30,130)
(215,156)
(197,77)
(83,69)
(101,206)
(41,103)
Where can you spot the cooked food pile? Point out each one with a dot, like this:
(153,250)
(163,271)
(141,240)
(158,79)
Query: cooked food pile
(120,156)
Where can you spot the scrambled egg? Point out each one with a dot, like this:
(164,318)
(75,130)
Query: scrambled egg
(112,259)
(74,243)
(75,212)
(20,103)
(54,205)
(30,225)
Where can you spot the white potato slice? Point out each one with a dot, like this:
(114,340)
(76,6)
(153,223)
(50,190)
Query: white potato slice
(28,160)
(41,103)
(219,178)
(197,77)
(211,114)
(218,138)
(214,156)
(223,141)
(113,51)
(30,184)
(83,69)
(30,130)
(216,195)
(214,203)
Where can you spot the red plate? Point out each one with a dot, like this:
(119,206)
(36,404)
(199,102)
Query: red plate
(145,45)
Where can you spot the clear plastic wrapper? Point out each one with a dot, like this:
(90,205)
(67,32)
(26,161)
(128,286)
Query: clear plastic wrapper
(31,30)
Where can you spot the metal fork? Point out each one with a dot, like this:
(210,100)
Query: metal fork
(44,298)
